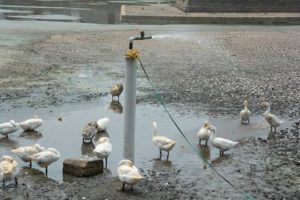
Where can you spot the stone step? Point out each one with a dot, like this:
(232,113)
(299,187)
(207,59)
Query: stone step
(83,166)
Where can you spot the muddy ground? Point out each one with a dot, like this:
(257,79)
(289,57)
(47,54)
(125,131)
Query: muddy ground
(201,69)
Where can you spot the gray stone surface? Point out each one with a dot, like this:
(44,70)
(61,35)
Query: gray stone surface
(83,166)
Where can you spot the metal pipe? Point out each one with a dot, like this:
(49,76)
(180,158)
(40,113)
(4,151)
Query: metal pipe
(130,101)
(129,109)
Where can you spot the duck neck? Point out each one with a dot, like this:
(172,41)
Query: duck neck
(155,132)
(268,110)
(212,135)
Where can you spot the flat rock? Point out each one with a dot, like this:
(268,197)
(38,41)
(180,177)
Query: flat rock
(83,166)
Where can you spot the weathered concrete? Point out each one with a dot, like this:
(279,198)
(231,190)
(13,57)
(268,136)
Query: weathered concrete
(238,5)
(168,14)
(84,166)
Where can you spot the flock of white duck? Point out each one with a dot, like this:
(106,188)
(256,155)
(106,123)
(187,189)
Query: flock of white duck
(127,172)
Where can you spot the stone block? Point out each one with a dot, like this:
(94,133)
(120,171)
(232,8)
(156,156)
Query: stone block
(83,166)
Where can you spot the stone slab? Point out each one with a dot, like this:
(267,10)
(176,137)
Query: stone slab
(83,166)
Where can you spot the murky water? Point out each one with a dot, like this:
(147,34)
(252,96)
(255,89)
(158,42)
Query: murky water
(66,136)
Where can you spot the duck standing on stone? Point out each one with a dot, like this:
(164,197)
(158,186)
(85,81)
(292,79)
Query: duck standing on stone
(204,133)
(31,124)
(273,120)
(8,169)
(128,174)
(26,152)
(89,131)
(8,128)
(245,113)
(116,90)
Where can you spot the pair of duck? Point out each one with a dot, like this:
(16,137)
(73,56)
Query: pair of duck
(42,156)
(272,119)
(207,133)
(104,147)
(11,126)
(92,128)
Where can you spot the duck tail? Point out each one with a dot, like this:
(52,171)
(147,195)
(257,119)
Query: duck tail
(15,150)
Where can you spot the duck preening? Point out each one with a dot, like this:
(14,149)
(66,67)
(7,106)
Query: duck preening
(26,152)
(272,119)
(162,142)
(31,124)
(102,123)
(204,133)
(221,143)
(8,127)
(89,131)
(8,169)
(103,149)
(128,173)
(245,113)
(46,158)
(116,90)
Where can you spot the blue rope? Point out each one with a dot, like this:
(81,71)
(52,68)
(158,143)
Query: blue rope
(247,196)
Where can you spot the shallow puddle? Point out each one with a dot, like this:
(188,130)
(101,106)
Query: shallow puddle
(66,137)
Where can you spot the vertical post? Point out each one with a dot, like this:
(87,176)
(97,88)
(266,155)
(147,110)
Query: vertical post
(129,109)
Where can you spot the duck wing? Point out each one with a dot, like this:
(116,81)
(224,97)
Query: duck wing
(103,150)
(224,144)
(44,157)
(273,120)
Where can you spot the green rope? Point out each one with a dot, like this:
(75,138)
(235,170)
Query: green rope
(247,196)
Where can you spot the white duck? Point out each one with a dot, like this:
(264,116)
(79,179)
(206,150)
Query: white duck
(204,133)
(103,149)
(273,120)
(26,152)
(31,124)
(8,169)
(8,127)
(162,142)
(46,158)
(103,122)
(116,90)
(128,173)
(245,113)
(89,131)
(221,143)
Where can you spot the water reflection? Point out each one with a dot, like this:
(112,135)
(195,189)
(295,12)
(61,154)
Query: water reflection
(224,159)
(162,164)
(30,171)
(116,107)
(8,143)
(205,152)
(32,134)
(87,149)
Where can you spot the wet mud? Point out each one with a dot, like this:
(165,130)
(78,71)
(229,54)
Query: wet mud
(214,72)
